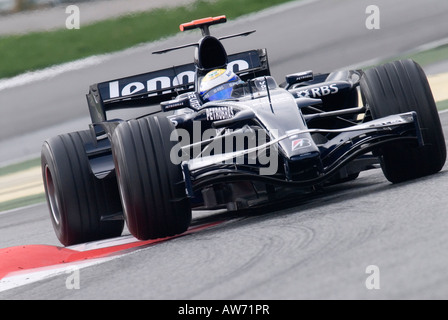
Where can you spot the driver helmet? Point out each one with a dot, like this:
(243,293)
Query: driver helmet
(218,84)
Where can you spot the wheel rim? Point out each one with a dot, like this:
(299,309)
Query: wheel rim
(53,199)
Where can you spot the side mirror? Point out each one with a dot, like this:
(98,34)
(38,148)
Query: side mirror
(179,103)
(299,77)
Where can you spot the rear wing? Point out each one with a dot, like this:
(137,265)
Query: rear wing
(154,87)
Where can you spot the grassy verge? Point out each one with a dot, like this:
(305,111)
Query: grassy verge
(428,57)
(21,53)
(22,202)
(424,58)
(442,105)
(21,166)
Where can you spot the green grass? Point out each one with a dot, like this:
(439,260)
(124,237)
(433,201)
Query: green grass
(428,57)
(442,105)
(22,202)
(424,58)
(21,166)
(21,53)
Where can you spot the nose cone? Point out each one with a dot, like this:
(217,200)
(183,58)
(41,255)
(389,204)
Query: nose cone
(299,146)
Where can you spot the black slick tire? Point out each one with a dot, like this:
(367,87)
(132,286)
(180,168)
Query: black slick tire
(76,198)
(400,87)
(151,186)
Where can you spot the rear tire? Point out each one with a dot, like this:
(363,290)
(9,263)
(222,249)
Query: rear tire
(75,197)
(400,87)
(151,186)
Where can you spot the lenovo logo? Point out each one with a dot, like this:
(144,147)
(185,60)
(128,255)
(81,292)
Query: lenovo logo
(155,82)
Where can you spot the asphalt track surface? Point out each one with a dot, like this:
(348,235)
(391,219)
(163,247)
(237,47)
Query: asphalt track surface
(54,17)
(317,248)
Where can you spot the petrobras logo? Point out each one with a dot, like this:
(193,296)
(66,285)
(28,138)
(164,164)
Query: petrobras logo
(219,113)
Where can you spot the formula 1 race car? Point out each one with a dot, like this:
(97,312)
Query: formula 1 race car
(226,135)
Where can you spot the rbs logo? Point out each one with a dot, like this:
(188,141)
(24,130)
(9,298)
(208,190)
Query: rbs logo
(319,91)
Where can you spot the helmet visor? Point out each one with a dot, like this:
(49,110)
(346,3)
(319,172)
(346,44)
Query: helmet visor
(221,92)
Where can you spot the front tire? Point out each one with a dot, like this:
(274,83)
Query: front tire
(400,87)
(151,186)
